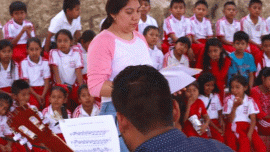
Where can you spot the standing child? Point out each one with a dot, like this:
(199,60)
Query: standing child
(208,94)
(36,71)
(56,111)
(227,26)
(265,57)
(178,54)
(67,64)
(241,111)
(8,68)
(88,105)
(151,35)
(195,107)
(18,30)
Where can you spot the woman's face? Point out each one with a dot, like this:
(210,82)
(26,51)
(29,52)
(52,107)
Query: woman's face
(128,17)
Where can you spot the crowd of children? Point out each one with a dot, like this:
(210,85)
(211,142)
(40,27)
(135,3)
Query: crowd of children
(52,77)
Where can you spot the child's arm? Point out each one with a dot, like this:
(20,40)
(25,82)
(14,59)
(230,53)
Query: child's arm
(78,72)
(251,79)
(48,41)
(173,37)
(195,41)
(2,91)
(252,126)
(46,88)
(56,74)
(224,41)
(18,37)
(206,124)
(221,120)
(237,102)
(77,36)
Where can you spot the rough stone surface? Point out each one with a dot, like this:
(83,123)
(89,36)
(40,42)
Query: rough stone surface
(40,12)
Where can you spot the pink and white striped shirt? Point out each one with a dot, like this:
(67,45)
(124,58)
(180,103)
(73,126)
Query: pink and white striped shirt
(80,112)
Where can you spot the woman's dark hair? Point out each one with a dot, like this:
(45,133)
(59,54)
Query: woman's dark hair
(112,7)
(203,79)
(84,86)
(33,39)
(87,36)
(265,72)
(3,44)
(242,80)
(7,99)
(65,32)
(206,57)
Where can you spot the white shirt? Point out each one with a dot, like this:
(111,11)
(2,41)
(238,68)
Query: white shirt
(67,63)
(84,56)
(4,128)
(60,22)
(157,57)
(149,21)
(268,23)
(80,112)
(11,30)
(35,72)
(214,107)
(201,29)
(6,77)
(53,119)
(243,111)
(265,63)
(226,29)
(254,31)
(171,60)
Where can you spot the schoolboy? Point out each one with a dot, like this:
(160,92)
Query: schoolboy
(242,62)
(227,26)
(18,30)
(151,34)
(146,20)
(69,19)
(265,57)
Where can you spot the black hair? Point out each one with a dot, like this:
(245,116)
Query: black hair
(182,106)
(184,40)
(195,84)
(63,90)
(251,2)
(19,85)
(229,3)
(203,79)
(70,4)
(265,38)
(240,35)
(3,44)
(133,87)
(87,36)
(83,86)
(177,1)
(199,2)
(242,80)
(206,57)
(17,6)
(112,7)
(7,99)
(145,0)
(265,72)
(65,32)
(33,39)
(148,28)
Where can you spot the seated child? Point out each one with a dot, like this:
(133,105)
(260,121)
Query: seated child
(227,26)
(242,62)
(36,71)
(178,54)
(18,30)
(265,57)
(146,20)
(268,23)
(88,105)
(241,111)
(151,35)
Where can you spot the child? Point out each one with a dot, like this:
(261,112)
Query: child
(227,26)
(195,106)
(69,18)
(176,25)
(88,105)
(268,23)
(18,30)
(67,64)
(241,111)
(208,94)
(146,20)
(178,55)
(8,68)
(216,61)
(265,57)
(36,71)
(151,35)
(242,62)
(56,111)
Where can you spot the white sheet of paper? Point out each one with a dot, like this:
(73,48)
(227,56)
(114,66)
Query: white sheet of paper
(97,133)
(187,70)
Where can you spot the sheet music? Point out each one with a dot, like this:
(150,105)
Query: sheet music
(91,134)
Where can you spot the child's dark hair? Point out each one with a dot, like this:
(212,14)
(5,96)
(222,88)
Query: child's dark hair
(87,36)
(182,106)
(62,89)
(206,57)
(229,3)
(17,6)
(70,4)
(203,79)
(240,35)
(65,32)
(242,80)
(265,38)
(83,86)
(177,1)
(3,44)
(265,72)
(148,28)
(251,2)
(144,0)
(33,39)
(195,83)
(184,40)
(7,99)
(19,85)
(203,2)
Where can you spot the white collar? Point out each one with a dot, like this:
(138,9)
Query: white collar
(8,68)
(249,19)
(31,63)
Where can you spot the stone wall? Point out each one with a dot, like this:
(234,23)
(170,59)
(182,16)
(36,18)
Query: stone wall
(40,12)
